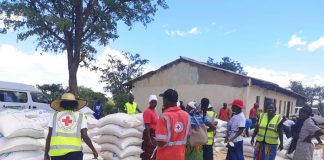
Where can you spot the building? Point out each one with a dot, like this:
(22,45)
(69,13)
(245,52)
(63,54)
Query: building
(195,80)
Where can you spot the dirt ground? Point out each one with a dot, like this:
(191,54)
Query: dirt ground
(222,156)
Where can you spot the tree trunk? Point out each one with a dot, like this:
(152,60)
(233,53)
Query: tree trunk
(73,83)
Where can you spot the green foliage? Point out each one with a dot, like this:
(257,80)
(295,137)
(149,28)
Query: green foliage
(73,26)
(52,91)
(91,96)
(117,73)
(228,64)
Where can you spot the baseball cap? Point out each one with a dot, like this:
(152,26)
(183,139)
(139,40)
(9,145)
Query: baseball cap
(170,95)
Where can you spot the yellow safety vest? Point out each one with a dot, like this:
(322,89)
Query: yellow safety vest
(211,116)
(131,108)
(268,131)
(66,133)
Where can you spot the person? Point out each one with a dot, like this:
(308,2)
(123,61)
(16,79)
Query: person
(182,106)
(172,129)
(198,117)
(131,106)
(224,113)
(287,127)
(268,130)
(150,119)
(67,129)
(254,115)
(98,110)
(309,130)
(211,115)
(235,128)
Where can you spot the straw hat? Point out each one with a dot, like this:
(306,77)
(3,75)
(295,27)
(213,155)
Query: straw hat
(67,97)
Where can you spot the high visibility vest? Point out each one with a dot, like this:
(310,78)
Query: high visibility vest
(131,108)
(66,133)
(178,127)
(268,131)
(211,116)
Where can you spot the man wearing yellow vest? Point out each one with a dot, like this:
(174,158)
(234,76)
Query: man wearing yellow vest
(208,147)
(131,106)
(67,128)
(268,130)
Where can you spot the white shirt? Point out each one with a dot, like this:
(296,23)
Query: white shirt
(84,123)
(288,123)
(236,122)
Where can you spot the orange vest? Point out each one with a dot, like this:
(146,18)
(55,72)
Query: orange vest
(173,128)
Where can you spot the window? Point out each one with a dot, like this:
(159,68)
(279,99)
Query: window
(292,106)
(39,97)
(280,107)
(13,96)
(257,99)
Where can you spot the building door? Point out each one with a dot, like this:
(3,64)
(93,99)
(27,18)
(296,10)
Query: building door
(288,109)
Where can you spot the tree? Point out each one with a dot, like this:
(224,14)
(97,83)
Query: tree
(92,96)
(52,91)
(297,87)
(228,64)
(119,71)
(74,25)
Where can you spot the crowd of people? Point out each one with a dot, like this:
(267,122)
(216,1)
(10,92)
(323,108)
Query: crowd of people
(187,132)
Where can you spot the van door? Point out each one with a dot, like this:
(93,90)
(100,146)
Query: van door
(13,99)
(39,101)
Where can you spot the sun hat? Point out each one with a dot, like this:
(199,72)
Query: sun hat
(237,103)
(67,97)
(192,104)
(152,97)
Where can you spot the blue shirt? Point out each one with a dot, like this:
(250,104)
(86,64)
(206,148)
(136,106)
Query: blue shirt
(197,119)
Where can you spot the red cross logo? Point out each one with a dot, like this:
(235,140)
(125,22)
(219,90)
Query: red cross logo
(178,127)
(67,121)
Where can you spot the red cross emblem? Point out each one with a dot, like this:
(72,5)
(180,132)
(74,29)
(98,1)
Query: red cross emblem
(67,121)
(178,127)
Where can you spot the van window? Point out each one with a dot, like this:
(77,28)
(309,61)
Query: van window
(13,96)
(39,97)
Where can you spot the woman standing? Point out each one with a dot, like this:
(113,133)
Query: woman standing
(309,130)
(235,128)
(150,119)
(268,130)
(197,117)
(67,129)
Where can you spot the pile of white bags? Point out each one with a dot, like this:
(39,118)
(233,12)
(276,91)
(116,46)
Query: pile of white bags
(19,138)
(119,139)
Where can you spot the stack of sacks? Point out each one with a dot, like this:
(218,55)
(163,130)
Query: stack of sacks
(248,149)
(119,137)
(18,139)
(221,129)
(87,111)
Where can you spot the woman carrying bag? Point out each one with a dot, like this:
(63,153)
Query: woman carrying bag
(194,149)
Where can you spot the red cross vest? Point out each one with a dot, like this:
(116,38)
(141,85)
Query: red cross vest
(66,133)
(173,128)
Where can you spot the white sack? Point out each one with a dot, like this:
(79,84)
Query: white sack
(221,123)
(87,156)
(16,126)
(120,142)
(92,122)
(248,149)
(221,144)
(129,151)
(86,111)
(19,144)
(121,119)
(247,141)
(220,135)
(221,130)
(141,128)
(219,139)
(22,155)
(118,131)
(112,156)
(86,149)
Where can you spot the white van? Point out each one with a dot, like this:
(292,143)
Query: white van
(22,96)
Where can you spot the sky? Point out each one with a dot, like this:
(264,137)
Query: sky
(277,41)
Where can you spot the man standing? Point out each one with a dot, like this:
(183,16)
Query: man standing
(131,106)
(172,129)
(254,114)
(224,113)
(211,115)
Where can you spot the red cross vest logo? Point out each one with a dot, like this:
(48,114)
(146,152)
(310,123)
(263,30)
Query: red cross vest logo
(178,127)
(67,121)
